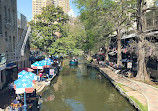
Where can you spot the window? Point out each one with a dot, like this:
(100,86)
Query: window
(13,43)
(14,19)
(5,12)
(0,24)
(1,76)
(9,17)
(10,44)
(6,38)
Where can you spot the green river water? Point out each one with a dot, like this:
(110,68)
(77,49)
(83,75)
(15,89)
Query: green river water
(78,88)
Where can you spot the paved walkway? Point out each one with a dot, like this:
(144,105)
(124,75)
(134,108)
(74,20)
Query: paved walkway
(151,93)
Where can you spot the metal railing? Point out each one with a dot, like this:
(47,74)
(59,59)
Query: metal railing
(20,43)
(25,40)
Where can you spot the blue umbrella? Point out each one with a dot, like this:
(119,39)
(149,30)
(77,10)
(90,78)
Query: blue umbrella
(28,77)
(20,74)
(40,65)
(34,64)
(22,79)
(37,65)
(24,86)
(33,75)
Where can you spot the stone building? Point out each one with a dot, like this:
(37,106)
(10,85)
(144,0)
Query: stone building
(8,34)
(13,43)
(38,4)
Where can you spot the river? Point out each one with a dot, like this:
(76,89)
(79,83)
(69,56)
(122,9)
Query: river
(78,88)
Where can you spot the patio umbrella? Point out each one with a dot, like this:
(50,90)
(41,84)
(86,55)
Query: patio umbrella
(22,79)
(29,77)
(34,65)
(46,64)
(20,74)
(33,75)
(26,69)
(23,87)
(37,65)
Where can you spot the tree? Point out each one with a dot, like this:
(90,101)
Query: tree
(118,14)
(72,43)
(143,43)
(45,26)
(95,24)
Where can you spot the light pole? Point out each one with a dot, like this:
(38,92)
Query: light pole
(25,106)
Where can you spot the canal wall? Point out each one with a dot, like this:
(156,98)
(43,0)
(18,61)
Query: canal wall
(115,84)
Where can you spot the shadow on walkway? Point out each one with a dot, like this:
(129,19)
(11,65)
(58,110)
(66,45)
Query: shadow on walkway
(6,98)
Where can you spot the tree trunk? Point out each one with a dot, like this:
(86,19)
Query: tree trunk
(106,54)
(142,70)
(142,74)
(119,55)
(89,53)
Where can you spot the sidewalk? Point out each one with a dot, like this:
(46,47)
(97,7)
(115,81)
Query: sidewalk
(39,86)
(6,99)
(145,94)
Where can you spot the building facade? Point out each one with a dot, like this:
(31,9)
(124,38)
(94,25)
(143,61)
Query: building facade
(65,5)
(38,4)
(8,34)
(12,33)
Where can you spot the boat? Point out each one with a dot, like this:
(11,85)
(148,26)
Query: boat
(73,62)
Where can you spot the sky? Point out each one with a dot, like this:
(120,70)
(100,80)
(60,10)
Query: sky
(25,7)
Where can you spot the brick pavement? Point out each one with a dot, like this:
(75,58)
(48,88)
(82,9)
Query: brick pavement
(150,93)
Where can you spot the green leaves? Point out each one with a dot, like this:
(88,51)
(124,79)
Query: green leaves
(46,26)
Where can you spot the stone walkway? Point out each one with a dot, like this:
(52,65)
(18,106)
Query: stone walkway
(150,93)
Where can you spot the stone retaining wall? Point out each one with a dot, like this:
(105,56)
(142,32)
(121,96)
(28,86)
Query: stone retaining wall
(123,93)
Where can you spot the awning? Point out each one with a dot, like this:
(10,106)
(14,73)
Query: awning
(10,65)
(128,36)
(152,33)
(112,53)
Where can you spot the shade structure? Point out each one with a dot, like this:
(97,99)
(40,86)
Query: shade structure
(26,69)
(37,65)
(34,65)
(33,75)
(29,77)
(23,78)
(46,64)
(23,85)
(20,74)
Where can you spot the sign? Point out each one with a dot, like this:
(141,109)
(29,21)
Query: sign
(129,65)
(51,71)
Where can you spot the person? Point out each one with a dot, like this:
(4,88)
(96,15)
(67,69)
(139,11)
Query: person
(40,74)
(11,89)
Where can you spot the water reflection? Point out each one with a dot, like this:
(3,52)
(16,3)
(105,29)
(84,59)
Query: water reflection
(82,89)
(76,106)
